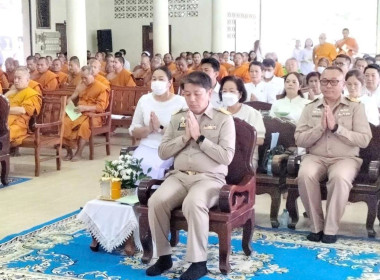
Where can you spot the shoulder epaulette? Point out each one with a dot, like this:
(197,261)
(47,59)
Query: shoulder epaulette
(223,110)
(352,99)
(179,111)
(315,100)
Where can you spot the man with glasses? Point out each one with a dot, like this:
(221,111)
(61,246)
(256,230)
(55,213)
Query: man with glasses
(332,129)
(202,141)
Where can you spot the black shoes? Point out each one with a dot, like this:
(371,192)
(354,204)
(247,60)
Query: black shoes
(95,248)
(163,263)
(315,237)
(320,236)
(195,271)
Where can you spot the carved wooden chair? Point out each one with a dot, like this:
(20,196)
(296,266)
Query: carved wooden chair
(366,186)
(48,129)
(105,129)
(4,140)
(259,105)
(236,203)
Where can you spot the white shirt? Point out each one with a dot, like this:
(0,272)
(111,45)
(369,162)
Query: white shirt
(260,92)
(254,118)
(274,86)
(375,95)
(297,54)
(293,107)
(215,100)
(307,64)
(127,65)
(316,96)
(371,109)
(163,110)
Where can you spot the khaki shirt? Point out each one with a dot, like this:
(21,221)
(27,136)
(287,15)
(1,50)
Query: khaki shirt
(353,129)
(213,155)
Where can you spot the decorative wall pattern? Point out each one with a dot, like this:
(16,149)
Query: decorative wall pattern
(144,8)
(231,22)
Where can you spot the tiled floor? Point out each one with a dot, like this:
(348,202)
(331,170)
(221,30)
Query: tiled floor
(56,193)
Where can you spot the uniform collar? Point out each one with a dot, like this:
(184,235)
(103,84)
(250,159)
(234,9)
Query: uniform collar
(343,100)
(209,112)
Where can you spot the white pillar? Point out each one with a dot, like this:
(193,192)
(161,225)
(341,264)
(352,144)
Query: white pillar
(76,30)
(160,26)
(219,25)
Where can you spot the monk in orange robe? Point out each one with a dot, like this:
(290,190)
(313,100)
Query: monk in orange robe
(240,70)
(168,60)
(47,79)
(24,102)
(95,66)
(347,45)
(4,83)
(94,97)
(57,69)
(10,68)
(278,70)
(36,86)
(196,62)
(99,57)
(182,69)
(31,63)
(145,72)
(324,49)
(122,77)
(74,77)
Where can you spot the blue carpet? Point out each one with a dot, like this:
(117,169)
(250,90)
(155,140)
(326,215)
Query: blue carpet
(60,250)
(14,181)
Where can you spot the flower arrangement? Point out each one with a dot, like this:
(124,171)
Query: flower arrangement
(127,168)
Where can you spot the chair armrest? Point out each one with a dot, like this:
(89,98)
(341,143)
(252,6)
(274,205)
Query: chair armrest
(127,150)
(45,125)
(373,170)
(293,164)
(279,163)
(94,115)
(234,197)
(144,190)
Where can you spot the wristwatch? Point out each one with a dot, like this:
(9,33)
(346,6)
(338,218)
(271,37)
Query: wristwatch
(200,139)
(335,128)
(160,129)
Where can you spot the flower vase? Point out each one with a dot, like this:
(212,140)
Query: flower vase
(115,188)
(105,188)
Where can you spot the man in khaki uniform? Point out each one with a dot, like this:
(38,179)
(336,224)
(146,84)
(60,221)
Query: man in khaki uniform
(332,128)
(202,141)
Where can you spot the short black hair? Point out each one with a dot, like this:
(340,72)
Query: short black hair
(346,57)
(371,59)
(120,59)
(372,66)
(239,84)
(257,63)
(268,62)
(213,62)
(123,51)
(299,78)
(197,78)
(166,70)
(312,74)
(118,54)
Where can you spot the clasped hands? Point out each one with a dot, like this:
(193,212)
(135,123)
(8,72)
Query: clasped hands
(328,119)
(154,123)
(192,127)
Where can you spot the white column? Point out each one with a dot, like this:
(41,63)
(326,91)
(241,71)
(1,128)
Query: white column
(378,28)
(76,30)
(160,26)
(219,25)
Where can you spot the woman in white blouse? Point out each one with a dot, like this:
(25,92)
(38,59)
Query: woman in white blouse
(354,83)
(314,84)
(291,102)
(233,93)
(306,55)
(152,115)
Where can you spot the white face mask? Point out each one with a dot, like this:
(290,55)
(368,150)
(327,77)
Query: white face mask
(158,87)
(229,99)
(320,69)
(268,74)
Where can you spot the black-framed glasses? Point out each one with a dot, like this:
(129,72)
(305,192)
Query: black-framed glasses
(325,82)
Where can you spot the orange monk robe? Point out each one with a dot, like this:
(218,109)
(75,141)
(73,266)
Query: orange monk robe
(96,94)
(65,68)
(222,73)
(326,50)
(178,75)
(104,74)
(172,67)
(48,80)
(196,68)
(62,79)
(74,79)
(241,72)
(34,75)
(146,75)
(123,79)
(1,89)
(103,80)
(31,101)
(347,46)
(36,86)
(103,65)
(227,65)
(279,70)
(4,80)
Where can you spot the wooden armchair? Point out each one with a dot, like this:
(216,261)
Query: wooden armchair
(259,105)
(236,203)
(48,129)
(274,185)
(4,140)
(105,129)
(366,186)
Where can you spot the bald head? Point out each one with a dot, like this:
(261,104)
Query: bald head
(155,63)
(21,78)
(145,63)
(95,66)
(322,38)
(56,65)
(10,64)
(31,63)
(88,75)
(42,65)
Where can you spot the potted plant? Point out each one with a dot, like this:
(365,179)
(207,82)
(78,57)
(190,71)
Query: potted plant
(128,169)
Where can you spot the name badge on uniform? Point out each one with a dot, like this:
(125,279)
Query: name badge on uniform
(316,113)
(344,112)
(182,124)
(209,127)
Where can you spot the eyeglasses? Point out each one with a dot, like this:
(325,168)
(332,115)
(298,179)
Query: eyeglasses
(325,82)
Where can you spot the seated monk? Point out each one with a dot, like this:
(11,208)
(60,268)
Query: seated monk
(24,102)
(168,60)
(4,83)
(122,77)
(57,69)
(222,69)
(95,66)
(10,67)
(36,86)
(100,57)
(110,71)
(144,72)
(74,77)
(93,97)
(31,63)
(182,69)
(196,62)
(65,66)
(50,62)
(241,71)
(47,79)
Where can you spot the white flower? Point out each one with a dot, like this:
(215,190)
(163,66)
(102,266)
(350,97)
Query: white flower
(125,177)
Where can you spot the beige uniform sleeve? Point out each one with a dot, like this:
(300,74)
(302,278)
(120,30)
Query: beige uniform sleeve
(306,135)
(360,135)
(224,151)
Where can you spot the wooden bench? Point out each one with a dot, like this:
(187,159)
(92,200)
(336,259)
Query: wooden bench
(366,186)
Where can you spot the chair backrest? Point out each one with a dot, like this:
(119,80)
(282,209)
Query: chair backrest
(372,152)
(4,112)
(58,92)
(123,100)
(259,105)
(108,119)
(285,127)
(241,164)
(53,110)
